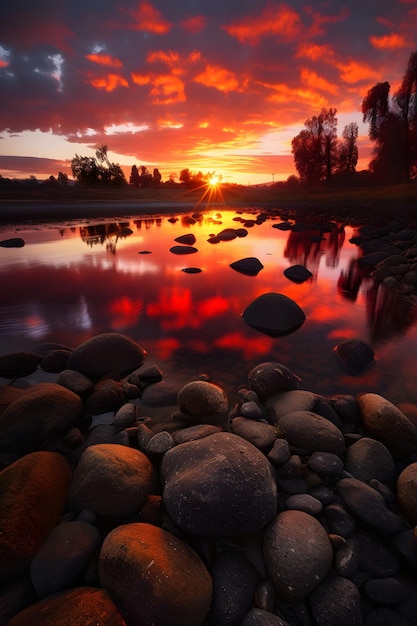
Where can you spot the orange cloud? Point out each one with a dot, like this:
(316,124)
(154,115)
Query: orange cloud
(104,59)
(388,41)
(109,82)
(140,79)
(316,52)
(319,21)
(312,79)
(218,77)
(194,24)
(149,19)
(167,89)
(174,60)
(275,20)
(355,71)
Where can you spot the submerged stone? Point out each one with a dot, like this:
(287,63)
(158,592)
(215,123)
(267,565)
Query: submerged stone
(355,355)
(297,273)
(250,266)
(183,250)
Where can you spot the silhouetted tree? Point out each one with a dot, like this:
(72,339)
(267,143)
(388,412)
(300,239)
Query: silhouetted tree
(185,176)
(134,177)
(393,127)
(315,147)
(347,156)
(145,176)
(156,178)
(62,179)
(98,170)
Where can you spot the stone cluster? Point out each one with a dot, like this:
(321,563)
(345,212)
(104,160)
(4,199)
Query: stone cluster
(285,508)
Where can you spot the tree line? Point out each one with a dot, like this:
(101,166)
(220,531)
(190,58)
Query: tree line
(320,156)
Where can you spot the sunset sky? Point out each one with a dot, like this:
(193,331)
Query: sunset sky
(215,85)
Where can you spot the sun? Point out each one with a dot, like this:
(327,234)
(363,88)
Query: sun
(214,181)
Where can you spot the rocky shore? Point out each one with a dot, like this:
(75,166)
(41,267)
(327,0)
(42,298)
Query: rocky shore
(126,500)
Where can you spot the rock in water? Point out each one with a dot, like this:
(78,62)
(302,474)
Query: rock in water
(274,314)
(154,577)
(297,273)
(251,266)
(108,352)
(356,355)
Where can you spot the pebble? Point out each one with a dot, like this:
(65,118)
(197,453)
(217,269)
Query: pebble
(303,514)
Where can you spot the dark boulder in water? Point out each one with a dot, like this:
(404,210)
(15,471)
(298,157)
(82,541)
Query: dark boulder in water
(183,250)
(191,270)
(251,266)
(14,242)
(297,273)
(187,239)
(274,314)
(356,355)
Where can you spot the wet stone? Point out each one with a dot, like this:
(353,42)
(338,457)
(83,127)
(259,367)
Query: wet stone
(386,591)
(274,314)
(269,378)
(326,464)
(338,520)
(280,452)
(160,443)
(260,434)
(306,503)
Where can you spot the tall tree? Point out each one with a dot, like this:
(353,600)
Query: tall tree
(348,150)
(97,170)
(315,147)
(406,101)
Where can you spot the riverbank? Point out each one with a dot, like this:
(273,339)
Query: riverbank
(352,205)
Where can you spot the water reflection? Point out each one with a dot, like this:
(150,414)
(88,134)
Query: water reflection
(57,288)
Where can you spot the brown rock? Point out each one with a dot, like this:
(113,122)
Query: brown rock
(407,492)
(386,423)
(82,605)
(42,411)
(9,394)
(32,498)
(154,577)
(111,480)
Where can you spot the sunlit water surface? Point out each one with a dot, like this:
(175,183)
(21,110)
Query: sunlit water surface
(79,278)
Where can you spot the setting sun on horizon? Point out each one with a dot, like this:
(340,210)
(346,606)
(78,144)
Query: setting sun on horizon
(218,88)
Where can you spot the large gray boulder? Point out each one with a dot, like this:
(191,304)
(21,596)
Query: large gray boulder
(219,485)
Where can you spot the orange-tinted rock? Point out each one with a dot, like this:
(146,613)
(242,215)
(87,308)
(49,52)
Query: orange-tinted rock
(154,577)
(407,492)
(9,394)
(32,499)
(111,480)
(386,423)
(84,606)
(42,411)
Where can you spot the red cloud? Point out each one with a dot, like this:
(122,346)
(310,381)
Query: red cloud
(149,19)
(3,63)
(194,24)
(388,41)
(109,82)
(280,20)
(218,77)
(104,59)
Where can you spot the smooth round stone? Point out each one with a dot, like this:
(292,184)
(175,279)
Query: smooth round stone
(387,617)
(355,355)
(383,421)
(202,400)
(368,506)
(375,558)
(280,452)
(297,554)
(108,352)
(265,597)
(339,521)
(111,480)
(9,394)
(260,434)
(32,498)
(369,459)
(304,502)
(227,234)
(337,601)
(12,242)
(219,485)
(145,374)
(41,412)
(18,364)
(267,379)
(274,314)
(160,443)
(385,591)
(346,407)
(191,270)
(181,250)
(192,433)
(234,584)
(297,273)
(407,492)
(55,361)
(88,606)
(76,382)
(106,395)
(347,558)
(251,266)
(154,577)
(290,401)
(404,545)
(251,410)
(187,239)
(125,416)
(311,432)
(63,556)
(163,393)
(326,464)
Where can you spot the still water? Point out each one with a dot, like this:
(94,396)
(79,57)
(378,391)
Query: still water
(75,279)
